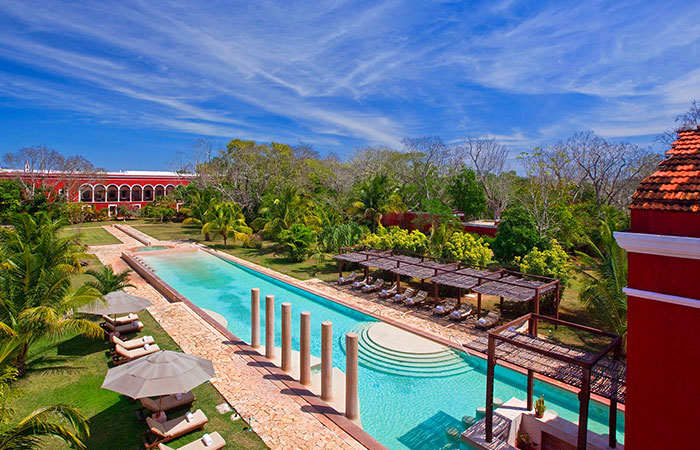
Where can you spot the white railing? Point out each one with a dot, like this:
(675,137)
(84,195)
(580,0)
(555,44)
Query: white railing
(456,341)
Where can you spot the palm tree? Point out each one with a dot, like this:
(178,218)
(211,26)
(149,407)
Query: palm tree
(107,281)
(280,212)
(605,274)
(61,421)
(36,298)
(198,204)
(375,198)
(227,220)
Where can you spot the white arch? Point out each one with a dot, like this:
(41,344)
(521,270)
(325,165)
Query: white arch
(120,192)
(82,188)
(143,196)
(94,189)
(158,186)
(140,192)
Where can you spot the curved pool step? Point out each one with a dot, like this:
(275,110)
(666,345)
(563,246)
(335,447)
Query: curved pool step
(388,355)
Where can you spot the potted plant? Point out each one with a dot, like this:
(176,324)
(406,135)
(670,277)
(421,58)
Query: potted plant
(525,442)
(540,407)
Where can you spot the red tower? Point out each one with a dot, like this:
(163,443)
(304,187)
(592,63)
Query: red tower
(663,302)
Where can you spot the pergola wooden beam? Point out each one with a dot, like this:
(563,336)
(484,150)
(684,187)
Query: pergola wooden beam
(585,362)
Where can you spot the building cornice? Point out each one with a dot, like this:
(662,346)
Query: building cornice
(657,244)
(665,298)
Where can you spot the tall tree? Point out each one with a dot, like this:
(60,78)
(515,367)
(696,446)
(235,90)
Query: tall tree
(489,158)
(280,211)
(227,220)
(36,297)
(467,194)
(605,275)
(376,197)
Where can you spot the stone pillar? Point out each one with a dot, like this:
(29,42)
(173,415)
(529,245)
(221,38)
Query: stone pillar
(287,336)
(270,327)
(305,349)
(327,361)
(351,397)
(255,318)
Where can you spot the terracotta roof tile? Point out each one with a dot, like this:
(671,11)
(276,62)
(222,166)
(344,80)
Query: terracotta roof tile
(675,186)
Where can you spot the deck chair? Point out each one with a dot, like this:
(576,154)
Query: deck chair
(489,320)
(217,442)
(132,327)
(386,293)
(417,299)
(347,280)
(168,402)
(172,429)
(360,284)
(131,344)
(122,355)
(123,320)
(445,307)
(461,312)
(378,284)
(410,292)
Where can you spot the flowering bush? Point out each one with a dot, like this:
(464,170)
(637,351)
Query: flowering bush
(467,248)
(395,238)
(553,262)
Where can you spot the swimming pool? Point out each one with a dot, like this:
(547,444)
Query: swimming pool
(400,410)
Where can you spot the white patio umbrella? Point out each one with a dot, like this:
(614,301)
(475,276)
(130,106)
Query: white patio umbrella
(159,374)
(118,302)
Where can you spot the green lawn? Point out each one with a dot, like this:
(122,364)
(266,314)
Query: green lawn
(73,370)
(91,235)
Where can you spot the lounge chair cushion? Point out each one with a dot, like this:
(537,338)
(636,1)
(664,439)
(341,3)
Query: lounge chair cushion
(132,343)
(217,443)
(169,402)
(178,426)
(137,352)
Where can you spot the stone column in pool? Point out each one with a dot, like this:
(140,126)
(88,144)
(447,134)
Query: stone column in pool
(287,337)
(305,349)
(351,395)
(255,318)
(327,361)
(270,327)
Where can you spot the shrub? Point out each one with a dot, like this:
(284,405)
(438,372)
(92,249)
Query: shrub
(395,238)
(298,240)
(467,248)
(333,237)
(553,262)
(517,235)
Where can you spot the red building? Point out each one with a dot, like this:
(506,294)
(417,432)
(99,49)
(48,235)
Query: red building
(105,189)
(411,220)
(663,301)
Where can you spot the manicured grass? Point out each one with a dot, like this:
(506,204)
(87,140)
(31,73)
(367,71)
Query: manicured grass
(173,232)
(73,370)
(91,235)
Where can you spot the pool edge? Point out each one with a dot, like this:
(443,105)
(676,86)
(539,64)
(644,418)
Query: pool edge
(322,409)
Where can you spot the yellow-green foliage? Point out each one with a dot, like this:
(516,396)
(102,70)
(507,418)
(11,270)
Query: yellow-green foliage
(467,248)
(553,263)
(395,238)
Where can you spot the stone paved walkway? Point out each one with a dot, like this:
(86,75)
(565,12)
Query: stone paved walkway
(278,418)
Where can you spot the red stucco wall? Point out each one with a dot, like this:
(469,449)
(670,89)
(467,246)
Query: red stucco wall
(663,341)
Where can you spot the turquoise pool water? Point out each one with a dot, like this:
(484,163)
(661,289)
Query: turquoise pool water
(401,412)
(151,248)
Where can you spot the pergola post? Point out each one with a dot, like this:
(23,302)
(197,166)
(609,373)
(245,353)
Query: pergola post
(500,305)
(340,268)
(537,311)
(398,283)
(612,420)
(436,293)
(489,388)
(478,305)
(530,389)
(584,397)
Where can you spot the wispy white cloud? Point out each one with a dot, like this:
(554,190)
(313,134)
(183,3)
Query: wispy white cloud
(346,73)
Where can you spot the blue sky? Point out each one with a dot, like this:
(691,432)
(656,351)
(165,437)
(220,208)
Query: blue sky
(131,84)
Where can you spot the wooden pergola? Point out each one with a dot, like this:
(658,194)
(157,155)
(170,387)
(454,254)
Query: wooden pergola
(505,284)
(591,373)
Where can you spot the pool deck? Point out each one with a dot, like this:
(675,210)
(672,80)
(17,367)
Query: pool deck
(282,421)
